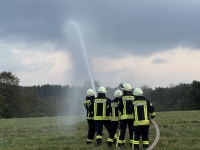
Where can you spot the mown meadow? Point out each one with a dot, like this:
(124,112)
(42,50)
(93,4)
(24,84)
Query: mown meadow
(179,130)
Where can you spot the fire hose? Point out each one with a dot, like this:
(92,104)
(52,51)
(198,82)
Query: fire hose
(157,135)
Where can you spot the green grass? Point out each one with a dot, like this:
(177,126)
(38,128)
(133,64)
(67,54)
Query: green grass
(178,131)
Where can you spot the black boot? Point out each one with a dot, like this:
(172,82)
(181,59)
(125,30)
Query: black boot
(99,142)
(120,145)
(109,144)
(136,147)
(88,142)
(145,146)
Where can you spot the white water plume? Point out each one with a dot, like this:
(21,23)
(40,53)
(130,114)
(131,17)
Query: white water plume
(81,70)
(84,52)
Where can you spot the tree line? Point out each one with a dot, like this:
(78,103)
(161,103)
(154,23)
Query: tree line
(56,100)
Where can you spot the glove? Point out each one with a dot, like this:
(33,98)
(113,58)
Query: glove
(152,117)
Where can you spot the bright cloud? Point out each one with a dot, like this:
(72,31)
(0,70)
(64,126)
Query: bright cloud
(181,66)
(46,68)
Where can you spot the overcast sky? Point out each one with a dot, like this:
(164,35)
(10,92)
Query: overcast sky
(154,43)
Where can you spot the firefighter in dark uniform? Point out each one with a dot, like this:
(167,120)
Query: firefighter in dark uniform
(100,107)
(143,110)
(126,108)
(91,128)
(115,117)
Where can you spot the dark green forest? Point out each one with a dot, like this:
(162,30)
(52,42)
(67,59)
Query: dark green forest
(55,100)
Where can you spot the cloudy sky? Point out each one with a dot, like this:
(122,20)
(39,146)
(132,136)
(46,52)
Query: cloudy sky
(154,43)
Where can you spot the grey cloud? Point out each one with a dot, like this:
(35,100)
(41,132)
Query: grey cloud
(39,66)
(10,61)
(31,21)
(116,71)
(109,27)
(147,27)
(159,60)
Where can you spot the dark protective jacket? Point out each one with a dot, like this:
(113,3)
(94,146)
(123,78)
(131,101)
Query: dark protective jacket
(115,113)
(126,105)
(101,107)
(143,110)
(87,103)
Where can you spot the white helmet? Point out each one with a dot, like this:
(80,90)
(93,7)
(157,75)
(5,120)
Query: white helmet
(126,87)
(118,93)
(90,92)
(102,89)
(138,92)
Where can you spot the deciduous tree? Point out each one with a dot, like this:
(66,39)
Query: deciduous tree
(9,78)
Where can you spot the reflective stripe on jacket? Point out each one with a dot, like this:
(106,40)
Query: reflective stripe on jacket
(115,113)
(101,109)
(142,109)
(126,106)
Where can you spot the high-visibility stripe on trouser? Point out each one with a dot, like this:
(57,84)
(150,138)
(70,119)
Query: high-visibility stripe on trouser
(120,141)
(98,137)
(89,140)
(110,140)
(136,142)
(131,141)
(145,142)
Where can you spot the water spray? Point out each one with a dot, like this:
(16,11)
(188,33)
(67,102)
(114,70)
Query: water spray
(157,135)
(84,53)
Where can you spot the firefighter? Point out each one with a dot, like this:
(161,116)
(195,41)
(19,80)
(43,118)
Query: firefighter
(115,117)
(126,108)
(143,110)
(91,128)
(100,107)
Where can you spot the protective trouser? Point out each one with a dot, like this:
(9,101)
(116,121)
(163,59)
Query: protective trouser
(91,131)
(123,125)
(99,129)
(112,137)
(138,131)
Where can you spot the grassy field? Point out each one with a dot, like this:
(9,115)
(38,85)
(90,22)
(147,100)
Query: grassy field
(178,131)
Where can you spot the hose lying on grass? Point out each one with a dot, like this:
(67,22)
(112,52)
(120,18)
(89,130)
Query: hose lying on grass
(157,135)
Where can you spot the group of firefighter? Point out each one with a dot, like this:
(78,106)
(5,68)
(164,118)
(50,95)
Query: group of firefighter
(129,109)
